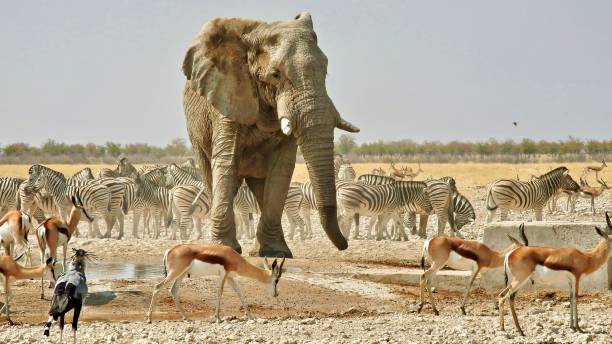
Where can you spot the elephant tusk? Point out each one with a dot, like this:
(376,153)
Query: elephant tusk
(346,125)
(286,126)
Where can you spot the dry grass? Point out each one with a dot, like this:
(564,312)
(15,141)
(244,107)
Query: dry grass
(466,174)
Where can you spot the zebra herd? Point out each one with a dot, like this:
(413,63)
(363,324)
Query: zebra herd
(174,198)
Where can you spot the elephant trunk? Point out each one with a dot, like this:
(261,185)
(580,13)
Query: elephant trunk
(317,147)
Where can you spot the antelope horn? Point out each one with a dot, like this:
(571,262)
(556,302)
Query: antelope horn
(608,221)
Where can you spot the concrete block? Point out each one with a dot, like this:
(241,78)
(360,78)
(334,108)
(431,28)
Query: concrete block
(580,235)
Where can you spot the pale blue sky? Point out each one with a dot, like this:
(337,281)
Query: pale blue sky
(84,71)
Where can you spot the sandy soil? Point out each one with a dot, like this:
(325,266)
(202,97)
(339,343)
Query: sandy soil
(322,299)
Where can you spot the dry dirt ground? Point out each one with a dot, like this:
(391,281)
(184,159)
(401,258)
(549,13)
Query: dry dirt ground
(323,298)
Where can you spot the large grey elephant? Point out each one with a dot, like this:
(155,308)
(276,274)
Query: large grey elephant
(255,91)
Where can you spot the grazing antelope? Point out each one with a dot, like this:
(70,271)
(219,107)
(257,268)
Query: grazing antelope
(54,232)
(14,228)
(400,173)
(545,264)
(595,169)
(464,255)
(10,270)
(207,260)
(588,192)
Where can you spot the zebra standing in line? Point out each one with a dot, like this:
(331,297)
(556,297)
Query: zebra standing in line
(440,193)
(81,175)
(385,200)
(124,169)
(464,214)
(510,194)
(292,210)
(346,172)
(95,197)
(245,205)
(184,190)
(155,197)
(9,188)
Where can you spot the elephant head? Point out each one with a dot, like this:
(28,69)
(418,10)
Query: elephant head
(272,75)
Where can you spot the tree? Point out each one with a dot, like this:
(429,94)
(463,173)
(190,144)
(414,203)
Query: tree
(177,147)
(113,149)
(346,144)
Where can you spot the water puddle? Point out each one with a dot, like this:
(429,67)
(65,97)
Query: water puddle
(101,271)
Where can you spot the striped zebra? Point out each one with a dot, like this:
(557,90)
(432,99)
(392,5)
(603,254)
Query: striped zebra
(185,189)
(510,194)
(464,215)
(440,194)
(82,175)
(190,167)
(95,197)
(292,207)
(155,198)
(124,169)
(309,203)
(37,202)
(385,200)
(9,188)
(346,172)
(245,206)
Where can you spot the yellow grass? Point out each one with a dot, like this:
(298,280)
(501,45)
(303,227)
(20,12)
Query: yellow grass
(466,174)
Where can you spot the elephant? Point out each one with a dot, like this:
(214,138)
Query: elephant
(254,93)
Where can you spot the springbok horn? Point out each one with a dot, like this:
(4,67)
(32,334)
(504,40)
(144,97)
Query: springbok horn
(608,221)
(286,126)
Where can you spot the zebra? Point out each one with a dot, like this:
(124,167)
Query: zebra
(309,202)
(245,205)
(384,199)
(464,214)
(124,169)
(154,197)
(346,172)
(81,175)
(510,194)
(292,207)
(189,166)
(95,197)
(185,189)
(9,187)
(37,202)
(440,193)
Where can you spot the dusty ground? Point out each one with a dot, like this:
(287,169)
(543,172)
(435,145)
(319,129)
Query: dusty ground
(322,299)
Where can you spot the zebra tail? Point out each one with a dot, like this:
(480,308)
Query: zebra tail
(194,203)
(170,214)
(491,205)
(451,211)
(125,208)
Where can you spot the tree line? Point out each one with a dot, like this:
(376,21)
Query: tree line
(571,149)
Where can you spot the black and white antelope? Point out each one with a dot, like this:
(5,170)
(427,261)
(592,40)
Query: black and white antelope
(94,197)
(245,207)
(184,190)
(545,265)
(510,194)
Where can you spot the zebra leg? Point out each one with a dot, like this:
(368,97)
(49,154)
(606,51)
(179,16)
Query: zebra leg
(538,214)
(135,220)
(503,214)
(305,212)
(356,220)
(120,220)
(442,224)
(423,219)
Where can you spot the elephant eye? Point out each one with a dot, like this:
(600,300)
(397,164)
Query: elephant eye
(275,74)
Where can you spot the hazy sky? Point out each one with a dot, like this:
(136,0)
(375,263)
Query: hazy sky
(84,71)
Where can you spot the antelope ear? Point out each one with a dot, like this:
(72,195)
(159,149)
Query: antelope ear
(216,67)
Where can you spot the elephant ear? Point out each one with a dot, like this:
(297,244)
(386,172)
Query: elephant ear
(216,68)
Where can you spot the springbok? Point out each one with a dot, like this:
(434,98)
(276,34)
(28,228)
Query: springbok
(379,171)
(206,260)
(411,175)
(588,192)
(595,169)
(464,255)
(545,264)
(14,228)
(10,270)
(54,232)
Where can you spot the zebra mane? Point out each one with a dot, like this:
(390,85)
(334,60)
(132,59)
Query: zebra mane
(46,170)
(556,171)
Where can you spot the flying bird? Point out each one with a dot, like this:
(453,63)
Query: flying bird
(69,293)
(515,124)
